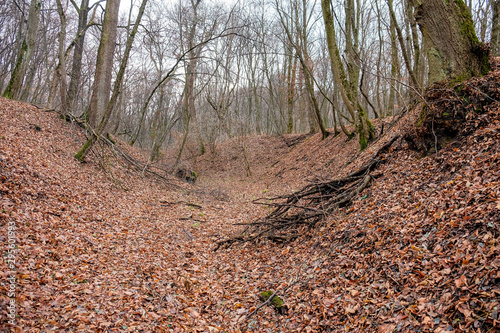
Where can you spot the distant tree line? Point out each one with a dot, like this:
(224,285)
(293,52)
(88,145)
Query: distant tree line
(160,75)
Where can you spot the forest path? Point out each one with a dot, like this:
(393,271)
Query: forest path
(101,249)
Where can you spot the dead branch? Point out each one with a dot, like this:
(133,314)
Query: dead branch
(308,206)
(189,204)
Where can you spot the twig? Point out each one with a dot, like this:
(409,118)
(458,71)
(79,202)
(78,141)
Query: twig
(188,234)
(166,203)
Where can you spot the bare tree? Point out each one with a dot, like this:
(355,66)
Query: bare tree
(76,69)
(100,105)
(61,70)
(347,88)
(13,88)
(299,19)
(104,65)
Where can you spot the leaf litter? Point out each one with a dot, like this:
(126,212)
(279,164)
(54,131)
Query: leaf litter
(103,248)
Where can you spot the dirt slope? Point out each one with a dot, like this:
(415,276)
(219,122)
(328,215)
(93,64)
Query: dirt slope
(101,248)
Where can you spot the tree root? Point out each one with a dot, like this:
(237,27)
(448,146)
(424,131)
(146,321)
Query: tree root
(308,206)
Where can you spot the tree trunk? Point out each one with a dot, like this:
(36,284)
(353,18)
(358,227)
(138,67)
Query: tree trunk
(290,81)
(61,71)
(104,64)
(399,34)
(300,44)
(453,50)
(190,76)
(417,57)
(117,84)
(363,125)
(394,61)
(495,28)
(13,88)
(76,69)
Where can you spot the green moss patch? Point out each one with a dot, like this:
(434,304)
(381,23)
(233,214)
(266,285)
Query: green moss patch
(276,301)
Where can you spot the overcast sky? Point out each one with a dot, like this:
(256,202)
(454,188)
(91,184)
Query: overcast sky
(125,4)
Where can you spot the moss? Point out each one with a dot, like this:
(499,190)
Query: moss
(421,117)
(460,78)
(371,130)
(110,138)
(485,58)
(467,28)
(364,128)
(362,141)
(80,156)
(466,23)
(276,301)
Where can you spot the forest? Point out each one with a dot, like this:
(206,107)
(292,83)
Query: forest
(207,71)
(250,166)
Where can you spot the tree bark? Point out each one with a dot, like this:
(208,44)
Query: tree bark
(76,69)
(495,28)
(13,88)
(104,65)
(453,50)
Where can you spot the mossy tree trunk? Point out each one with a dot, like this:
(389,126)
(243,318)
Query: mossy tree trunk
(495,28)
(348,87)
(13,88)
(111,103)
(454,52)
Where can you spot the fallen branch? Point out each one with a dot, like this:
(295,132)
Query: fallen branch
(308,206)
(189,204)
(144,168)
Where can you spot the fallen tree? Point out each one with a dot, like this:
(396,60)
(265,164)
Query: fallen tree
(145,168)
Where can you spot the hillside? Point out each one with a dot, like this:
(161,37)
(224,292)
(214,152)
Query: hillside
(101,247)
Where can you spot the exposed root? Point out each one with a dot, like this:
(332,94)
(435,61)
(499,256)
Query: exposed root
(308,206)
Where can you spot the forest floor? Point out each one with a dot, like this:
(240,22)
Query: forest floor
(100,247)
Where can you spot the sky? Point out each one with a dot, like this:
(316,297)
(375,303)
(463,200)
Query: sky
(125,4)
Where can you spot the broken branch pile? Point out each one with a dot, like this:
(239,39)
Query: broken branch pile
(308,206)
